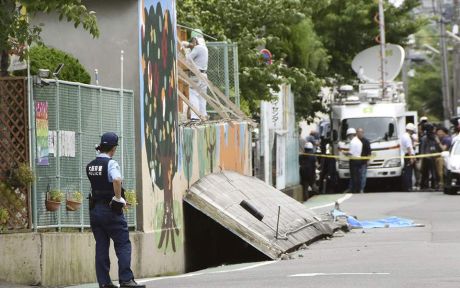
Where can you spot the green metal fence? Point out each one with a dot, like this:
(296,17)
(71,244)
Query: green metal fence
(86,112)
(223,68)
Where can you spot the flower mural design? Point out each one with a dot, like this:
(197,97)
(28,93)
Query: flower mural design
(158,64)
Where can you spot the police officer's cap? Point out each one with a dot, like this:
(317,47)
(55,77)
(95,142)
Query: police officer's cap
(109,139)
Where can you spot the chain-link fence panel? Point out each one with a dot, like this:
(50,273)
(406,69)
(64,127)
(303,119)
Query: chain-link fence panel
(223,68)
(78,115)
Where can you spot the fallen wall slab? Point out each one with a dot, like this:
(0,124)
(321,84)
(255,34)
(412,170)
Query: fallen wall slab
(248,208)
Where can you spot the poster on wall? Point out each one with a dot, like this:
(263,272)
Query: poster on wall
(41,124)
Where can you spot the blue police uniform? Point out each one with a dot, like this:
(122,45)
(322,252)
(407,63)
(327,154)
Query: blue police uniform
(105,223)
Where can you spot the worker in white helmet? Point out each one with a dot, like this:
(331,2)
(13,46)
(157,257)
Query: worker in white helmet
(356,148)
(198,56)
(407,148)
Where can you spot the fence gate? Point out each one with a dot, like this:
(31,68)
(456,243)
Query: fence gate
(14,148)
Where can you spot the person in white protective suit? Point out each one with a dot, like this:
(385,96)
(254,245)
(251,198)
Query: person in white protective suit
(199,57)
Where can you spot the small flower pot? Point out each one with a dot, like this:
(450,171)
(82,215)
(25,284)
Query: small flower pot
(71,205)
(52,205)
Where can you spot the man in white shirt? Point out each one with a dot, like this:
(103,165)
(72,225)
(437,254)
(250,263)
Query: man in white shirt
(199,57)
(356,147)
(407,148)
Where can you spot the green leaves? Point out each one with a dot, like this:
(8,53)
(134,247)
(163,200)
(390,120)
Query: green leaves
(42,57)
(310,40)
(16,31)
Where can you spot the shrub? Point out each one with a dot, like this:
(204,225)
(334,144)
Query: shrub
(43,57)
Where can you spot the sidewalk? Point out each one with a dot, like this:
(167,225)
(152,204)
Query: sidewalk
(9,285)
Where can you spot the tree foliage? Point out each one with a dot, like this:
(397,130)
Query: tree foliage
(348,27)
(425,92)
(42,57)
(16,32)
(310,40)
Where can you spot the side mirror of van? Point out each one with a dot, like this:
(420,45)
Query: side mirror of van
(335,135)
(445,154)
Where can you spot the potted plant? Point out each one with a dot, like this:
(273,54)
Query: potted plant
(73,202)
(53,200)
(131,199)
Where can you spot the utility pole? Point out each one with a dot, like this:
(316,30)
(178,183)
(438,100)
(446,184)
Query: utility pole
(382,47)
(456,76)
(446,102)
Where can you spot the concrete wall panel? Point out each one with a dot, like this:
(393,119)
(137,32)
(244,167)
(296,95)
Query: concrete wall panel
(20,258)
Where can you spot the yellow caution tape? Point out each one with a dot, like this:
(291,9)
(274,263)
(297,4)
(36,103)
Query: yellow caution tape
(343,157)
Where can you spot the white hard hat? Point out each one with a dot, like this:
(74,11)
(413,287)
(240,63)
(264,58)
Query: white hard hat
(410,126)
(308,145)
(423,118)
(351,131)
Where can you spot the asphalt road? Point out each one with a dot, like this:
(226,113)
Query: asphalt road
(390,257)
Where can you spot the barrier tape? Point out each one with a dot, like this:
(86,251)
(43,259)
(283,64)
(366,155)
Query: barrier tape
(344,157)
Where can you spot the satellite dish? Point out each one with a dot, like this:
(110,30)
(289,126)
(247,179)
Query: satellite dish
(367,63)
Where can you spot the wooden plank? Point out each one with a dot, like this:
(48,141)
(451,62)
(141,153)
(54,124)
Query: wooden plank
(194,109)
(211,87)
(183,76)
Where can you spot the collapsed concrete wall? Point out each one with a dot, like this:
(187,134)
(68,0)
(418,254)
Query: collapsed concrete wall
(249,209)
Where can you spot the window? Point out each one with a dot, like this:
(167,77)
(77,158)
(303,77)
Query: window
(375,128)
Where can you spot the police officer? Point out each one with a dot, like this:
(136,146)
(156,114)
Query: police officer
(106,214)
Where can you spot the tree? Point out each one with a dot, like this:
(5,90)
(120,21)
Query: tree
(274,24)
(348,27)
(16,32)
(42,57)
(425,92)
(311,40)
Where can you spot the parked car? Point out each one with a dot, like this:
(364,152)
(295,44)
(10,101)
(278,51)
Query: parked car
(452,169)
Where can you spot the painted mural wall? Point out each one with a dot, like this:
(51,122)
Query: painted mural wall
(174,157)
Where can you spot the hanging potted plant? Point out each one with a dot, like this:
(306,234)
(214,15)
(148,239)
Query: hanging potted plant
(73,202)
(53,200)
(131,199)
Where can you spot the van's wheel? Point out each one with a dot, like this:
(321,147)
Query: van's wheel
(450,191)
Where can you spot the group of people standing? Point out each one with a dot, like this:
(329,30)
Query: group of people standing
(360,147)
(430,139)
(419,172)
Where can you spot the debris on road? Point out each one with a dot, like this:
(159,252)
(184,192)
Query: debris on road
(390,222)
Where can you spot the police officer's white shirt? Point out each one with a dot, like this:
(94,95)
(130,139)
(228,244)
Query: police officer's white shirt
(406,144)
(113,169)
(356,147)
(199,56)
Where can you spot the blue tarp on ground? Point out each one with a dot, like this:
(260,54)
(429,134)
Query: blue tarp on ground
(390,222)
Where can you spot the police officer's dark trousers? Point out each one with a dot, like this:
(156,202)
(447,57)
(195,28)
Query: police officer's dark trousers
(107,225)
